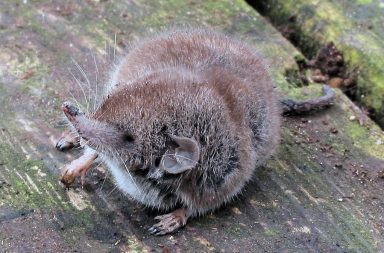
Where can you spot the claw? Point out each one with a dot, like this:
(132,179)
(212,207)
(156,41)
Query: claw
(169,223)
(152,230)
(63,145)
(67,142)
(66,176)
(78,167)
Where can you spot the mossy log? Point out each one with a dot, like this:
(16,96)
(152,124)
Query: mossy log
(356,28)
(321,192)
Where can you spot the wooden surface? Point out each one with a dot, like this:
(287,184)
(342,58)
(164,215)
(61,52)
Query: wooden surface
(321,192)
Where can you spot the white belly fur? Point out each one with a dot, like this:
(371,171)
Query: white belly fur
(123,180)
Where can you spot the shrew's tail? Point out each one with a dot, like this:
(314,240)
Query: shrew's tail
(292,107)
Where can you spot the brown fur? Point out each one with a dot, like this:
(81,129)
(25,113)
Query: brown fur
(190,83)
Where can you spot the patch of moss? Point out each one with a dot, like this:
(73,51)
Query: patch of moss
(34,24)
(270,232)
(359,236)
(134,245)
(26,186)
(293,77)
(303,93)
(314,23)
(2,90)
(365,139)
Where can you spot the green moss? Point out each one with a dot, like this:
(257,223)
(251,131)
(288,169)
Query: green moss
(363,1)
(270,232)
(26,186)
(236,231)
(364,138)
(303,93)
(359,236)
(204,222)
(318,190)
(34,24)
(134,246)
(30,71)
(2,90)
(338,148)
(315,23)
(293,77)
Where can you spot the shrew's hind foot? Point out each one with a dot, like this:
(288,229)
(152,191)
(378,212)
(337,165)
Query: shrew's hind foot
(169,223)
(78,167)
(67,141)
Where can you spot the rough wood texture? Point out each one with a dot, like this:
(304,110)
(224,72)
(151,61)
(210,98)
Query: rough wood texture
(321,192)
(356,28)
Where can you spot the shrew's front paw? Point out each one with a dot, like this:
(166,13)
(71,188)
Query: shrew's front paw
(78,167)
(67,141)
(67,175)
(169,223)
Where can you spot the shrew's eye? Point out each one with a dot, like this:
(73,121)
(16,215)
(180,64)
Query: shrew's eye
(128,138)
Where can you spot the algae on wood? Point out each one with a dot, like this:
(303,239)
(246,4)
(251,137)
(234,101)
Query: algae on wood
(355,26)
(319,193)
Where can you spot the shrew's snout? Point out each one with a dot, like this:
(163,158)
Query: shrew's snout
(70,111)
(96,132)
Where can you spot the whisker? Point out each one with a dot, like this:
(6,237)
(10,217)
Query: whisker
(114,188)
(72,95)
(102,114)
(76,101)
(84,144)
(129,173)
(180,156)
(82,90)
(81,71)
(97,166)
(97,80)
(102,185)
(109,53)
(114,51)
(73,134)
(106,51)
(78,148)
(85,77)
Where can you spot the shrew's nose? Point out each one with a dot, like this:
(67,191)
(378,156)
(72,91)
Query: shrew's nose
(70,109)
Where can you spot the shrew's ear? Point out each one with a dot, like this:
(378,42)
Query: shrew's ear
(182,158)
